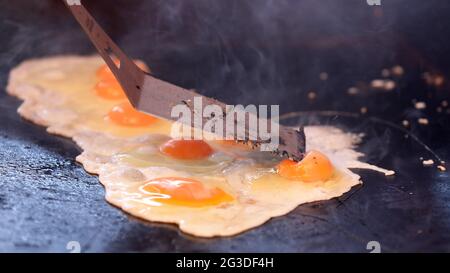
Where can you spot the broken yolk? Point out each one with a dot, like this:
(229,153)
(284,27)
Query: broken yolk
(109,89)
(185,192)
(186,149)
(315,166)
(125,115)
(105,73)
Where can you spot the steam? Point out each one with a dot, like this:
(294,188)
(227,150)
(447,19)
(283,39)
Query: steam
(252,52)
(243,52)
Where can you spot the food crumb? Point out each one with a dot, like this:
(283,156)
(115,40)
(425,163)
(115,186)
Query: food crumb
(312,95)
(389,85)
(444,103)
(323,76)
(423,121)
(385,73)
(420,105)
(428,162)
(438,80)
(353,91)
(433,79)
(378,84)
(441,168)
(405,123)
(397,70)
(389,173)
(363,110)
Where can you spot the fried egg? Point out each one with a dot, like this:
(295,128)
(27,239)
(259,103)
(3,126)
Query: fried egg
(217,188)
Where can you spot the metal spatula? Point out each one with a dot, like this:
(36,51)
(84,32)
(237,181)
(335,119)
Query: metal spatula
(156,97)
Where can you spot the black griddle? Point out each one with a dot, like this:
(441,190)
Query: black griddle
(47,199)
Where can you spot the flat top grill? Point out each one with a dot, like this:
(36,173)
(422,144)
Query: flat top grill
(47,200)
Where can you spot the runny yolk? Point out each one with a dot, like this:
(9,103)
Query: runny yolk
(185,192)
(315,166)
(109,89)
(125,115)
(186,149)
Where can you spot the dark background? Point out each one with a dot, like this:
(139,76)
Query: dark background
(259,52)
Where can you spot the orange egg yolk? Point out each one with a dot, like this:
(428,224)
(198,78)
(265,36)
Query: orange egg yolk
(109,89)
(185,192)
(105,73)
(186,149)
(315,166)
(125,115)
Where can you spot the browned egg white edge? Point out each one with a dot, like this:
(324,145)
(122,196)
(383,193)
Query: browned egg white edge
(345,155)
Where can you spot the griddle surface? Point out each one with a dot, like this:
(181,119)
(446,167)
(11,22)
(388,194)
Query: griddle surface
(47,199)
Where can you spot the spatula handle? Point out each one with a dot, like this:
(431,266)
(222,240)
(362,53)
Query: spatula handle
(130,76)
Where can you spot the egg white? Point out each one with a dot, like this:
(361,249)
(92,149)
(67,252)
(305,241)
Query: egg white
(57,93)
